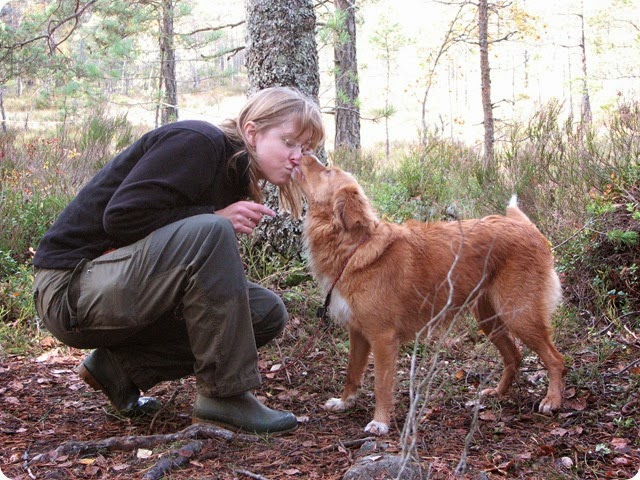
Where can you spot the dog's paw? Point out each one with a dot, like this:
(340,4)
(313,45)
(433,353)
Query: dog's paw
(549,405)
(337,405)
(490,392)
(377,428)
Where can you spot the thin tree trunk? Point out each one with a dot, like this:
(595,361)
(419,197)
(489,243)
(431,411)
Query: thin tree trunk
(431,74)
(485,80)
(168,67)
(347,111)
(585,110)
(4,116)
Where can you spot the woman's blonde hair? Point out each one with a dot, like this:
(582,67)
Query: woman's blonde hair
(269,108)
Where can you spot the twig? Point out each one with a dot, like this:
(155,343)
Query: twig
(584,227)
(250,475)
(155,416)
(630,366)
(349,443)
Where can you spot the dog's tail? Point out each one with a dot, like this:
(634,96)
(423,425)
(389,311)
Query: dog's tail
(514,212)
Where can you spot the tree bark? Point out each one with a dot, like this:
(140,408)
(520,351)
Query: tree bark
(169,110)
(2,112)
(485,80)
(281,45)
(347,110)
(585,108)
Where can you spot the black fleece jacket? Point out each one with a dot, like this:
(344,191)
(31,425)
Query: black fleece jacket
(173,172)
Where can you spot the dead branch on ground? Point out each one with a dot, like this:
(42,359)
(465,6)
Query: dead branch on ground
(132,442)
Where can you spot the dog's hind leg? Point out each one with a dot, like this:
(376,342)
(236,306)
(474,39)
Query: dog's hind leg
(535,333)
(492,325)
(529,319)
(359,349)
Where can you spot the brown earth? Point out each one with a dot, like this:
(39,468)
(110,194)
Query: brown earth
(44,405)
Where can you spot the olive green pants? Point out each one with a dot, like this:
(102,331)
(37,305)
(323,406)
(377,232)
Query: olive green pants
(173,304)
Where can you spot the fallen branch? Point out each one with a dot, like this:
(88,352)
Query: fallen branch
(174,459)
(133,442)
(349,443)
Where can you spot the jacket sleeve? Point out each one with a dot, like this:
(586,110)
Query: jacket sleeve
(168,183)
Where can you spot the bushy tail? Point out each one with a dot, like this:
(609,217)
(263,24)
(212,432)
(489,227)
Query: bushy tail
(514,212)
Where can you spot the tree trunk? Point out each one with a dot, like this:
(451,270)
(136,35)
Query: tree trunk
(281,50)
(4,117)
(281,45)
(485,80)
(168,66)
(347,111)
(585,109)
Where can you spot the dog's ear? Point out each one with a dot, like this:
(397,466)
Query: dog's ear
(352,210)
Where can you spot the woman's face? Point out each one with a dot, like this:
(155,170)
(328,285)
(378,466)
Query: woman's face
(278,151)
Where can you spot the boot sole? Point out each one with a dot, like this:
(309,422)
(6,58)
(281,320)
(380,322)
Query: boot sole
(236,429)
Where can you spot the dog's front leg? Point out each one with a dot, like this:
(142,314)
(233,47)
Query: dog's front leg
(359,348)
(385,354)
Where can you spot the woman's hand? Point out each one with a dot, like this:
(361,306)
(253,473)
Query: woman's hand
(245,215)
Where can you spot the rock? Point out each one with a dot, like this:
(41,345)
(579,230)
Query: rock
(382,467)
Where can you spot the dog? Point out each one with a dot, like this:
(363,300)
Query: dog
(387,282)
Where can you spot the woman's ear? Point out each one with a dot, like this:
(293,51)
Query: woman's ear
(250,130)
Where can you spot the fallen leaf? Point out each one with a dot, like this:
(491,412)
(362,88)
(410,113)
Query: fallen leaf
(560,432)
(488,416)
(545,451)
(579,403)
(623,462)
(47,342)
(292,471)
(620,445)
(143,453)
(525,456)
(48,355)
(92,470)
(303,419)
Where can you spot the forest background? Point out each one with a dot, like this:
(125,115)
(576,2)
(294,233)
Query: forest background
(80,80)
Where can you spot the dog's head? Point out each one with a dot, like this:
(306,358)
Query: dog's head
(331,190)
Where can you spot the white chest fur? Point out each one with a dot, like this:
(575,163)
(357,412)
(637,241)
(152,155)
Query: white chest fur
(339,308)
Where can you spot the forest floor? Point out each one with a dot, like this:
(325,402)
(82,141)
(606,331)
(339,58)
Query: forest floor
(46,409)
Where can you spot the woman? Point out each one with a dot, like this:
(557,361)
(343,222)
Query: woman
(143,265)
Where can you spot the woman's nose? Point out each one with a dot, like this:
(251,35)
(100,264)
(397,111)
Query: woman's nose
(296,155)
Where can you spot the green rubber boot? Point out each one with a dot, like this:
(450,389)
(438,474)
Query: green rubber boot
(104,374)
(244,413)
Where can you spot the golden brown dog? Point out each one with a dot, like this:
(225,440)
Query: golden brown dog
(390,281)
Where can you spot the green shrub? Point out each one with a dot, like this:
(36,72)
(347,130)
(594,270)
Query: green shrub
(25,218)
